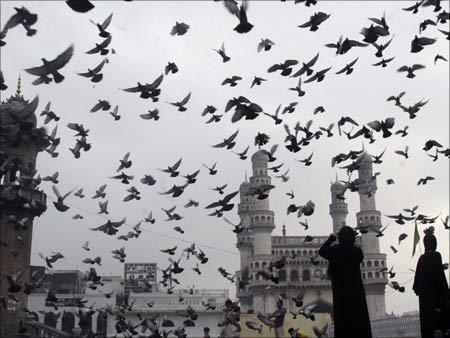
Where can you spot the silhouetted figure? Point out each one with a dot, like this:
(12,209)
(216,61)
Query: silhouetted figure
(206,332)
(431,286)
(351,317)
(278,319)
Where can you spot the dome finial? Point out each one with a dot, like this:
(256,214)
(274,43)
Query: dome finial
(19,87)
(283,231)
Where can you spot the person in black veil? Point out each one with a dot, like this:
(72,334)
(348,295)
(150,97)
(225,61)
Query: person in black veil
(431,286)
(351,316)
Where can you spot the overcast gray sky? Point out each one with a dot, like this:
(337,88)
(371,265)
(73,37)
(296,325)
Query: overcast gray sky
(141,38)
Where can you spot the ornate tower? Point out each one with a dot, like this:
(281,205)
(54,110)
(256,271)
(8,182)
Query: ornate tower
(369,218)
(261,218)
(255,242)
(338,207)
(245,238)
(244,241)
(20,201)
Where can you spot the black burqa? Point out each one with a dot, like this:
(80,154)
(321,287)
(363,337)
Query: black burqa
(430,285)
(351,316)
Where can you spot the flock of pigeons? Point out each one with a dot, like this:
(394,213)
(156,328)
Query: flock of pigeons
(376,38)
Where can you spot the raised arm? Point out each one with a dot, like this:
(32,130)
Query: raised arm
(324,250)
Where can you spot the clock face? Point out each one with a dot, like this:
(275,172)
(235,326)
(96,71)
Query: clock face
(318,273)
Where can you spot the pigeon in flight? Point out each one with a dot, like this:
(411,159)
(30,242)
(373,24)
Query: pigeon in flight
(80,6)
(181,104)
(148,90)
(383,63)
(315,20)
(227,142)
(172,170)
(180,28)
(410,70)
(22,16)
(265,45)
(241,13)
(51,68)
(103,26)
(417,44)
(59,204)
(94,73)
(222,53)
(285,67)
(101,47)
(306,68)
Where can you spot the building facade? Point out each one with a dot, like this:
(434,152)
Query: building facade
(70,287)
(305,271)
(406,325)
(20,200)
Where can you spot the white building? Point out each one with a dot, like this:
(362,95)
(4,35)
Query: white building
(406,325)
(163,305)
(258,247)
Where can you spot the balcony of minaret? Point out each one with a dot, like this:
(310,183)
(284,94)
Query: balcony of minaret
(371,269)
(338,208)
(369,218)
(262,218)
(245,238)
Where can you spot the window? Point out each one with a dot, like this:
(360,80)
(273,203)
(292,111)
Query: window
(369,275)
(306,276)
(294,276)
(50,319)
(282,275)
(376,263)
(256,265)
(101,326)
(67,322)
(369,264)
(85,324)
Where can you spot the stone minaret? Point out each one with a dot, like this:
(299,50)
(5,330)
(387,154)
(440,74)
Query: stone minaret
(338,207)
(261,219)
(255,242)
(20,200)
(245,238)
(370,218)
(244,241)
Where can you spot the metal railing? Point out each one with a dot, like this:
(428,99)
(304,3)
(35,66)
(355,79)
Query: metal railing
(37,329)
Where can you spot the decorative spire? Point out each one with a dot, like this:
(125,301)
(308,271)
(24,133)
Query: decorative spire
(19,87)
(284,230)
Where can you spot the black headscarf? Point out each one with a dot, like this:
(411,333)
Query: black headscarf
(429,240)
(346,236)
